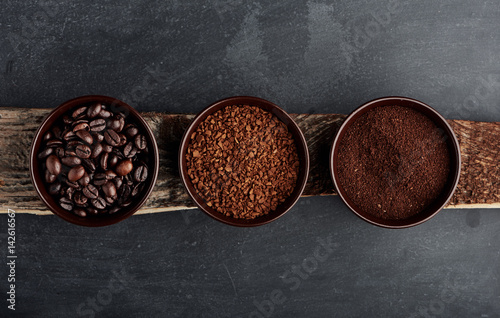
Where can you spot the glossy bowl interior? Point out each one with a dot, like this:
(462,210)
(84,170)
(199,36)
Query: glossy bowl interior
(302,150)
(453,148)
(37,177)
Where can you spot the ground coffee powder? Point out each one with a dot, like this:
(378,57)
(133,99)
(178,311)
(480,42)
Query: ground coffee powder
(393,162)
(242,161)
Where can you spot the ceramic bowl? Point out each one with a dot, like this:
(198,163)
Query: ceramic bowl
(300,142)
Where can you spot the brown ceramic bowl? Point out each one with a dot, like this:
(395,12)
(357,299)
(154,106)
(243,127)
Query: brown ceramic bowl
(453,149)
(37,176)
(300,142)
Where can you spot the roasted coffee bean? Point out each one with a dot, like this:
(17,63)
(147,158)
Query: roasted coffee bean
(72,144)
(118,182)
(80,212)
(128,179)
(79,111)
(141,173)
(76,173)
(66,204)
(48,136)
(124,167)
(67,120)
(57,132)
(70,153)
(118,153)
(107,148)
(55,188)
(110,174)
(129,151)
(98,124)
(49,177)
(100,179)
(83,125)
(99,203)
(70,192)
(140,141)
(114,210)
(109,200)
(69,135)
(137,189)
(114,124)
(117,123)
(85,180)
(111,137)
(54,143)
(123,140)
(96,150)
(131,131)
(53,164)
(85,136)
(83,151)
(92,211)
(97,136)
(121,120)
(94,110)
(109,189)
(45,153)
(60,152)
(105,114)
(126,203)
(71,184)
(89,164)
(104,161)
(124,192)
(91,191)
(79,198)
(112,160)
(71,161)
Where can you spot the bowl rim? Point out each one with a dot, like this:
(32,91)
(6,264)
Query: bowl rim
(37,179)
(392,100)
(300,141)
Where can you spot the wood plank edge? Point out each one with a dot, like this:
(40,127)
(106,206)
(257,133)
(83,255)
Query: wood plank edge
(4,210)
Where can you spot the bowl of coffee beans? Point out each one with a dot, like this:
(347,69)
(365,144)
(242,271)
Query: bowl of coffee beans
(244,161)
(94,161)
(395,162)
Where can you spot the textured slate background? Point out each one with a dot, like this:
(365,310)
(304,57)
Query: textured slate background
(312,57)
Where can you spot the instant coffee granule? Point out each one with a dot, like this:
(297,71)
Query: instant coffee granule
(242,161)
(393,162)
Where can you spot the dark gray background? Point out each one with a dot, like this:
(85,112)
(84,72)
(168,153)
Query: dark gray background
(311,57)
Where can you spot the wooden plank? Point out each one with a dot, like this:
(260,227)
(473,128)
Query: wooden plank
(479,185)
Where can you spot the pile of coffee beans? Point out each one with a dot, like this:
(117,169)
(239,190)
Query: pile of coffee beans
(242,161)
(94,160)
(393,162)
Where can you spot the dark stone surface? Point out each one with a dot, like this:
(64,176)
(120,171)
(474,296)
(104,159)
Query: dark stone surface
(179,56)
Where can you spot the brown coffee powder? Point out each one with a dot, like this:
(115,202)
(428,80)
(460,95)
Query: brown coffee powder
(242,161)
(393,162)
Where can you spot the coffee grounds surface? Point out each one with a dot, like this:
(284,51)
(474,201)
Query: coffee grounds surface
(242,161)
(393,162)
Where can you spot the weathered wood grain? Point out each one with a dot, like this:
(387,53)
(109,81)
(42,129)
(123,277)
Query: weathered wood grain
(479,141)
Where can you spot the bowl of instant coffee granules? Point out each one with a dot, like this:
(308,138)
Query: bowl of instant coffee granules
(395,162)
(244,161)
(94,161)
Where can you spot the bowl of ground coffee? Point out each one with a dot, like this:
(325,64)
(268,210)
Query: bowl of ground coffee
(395,162)
(244,161)
(94,161)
